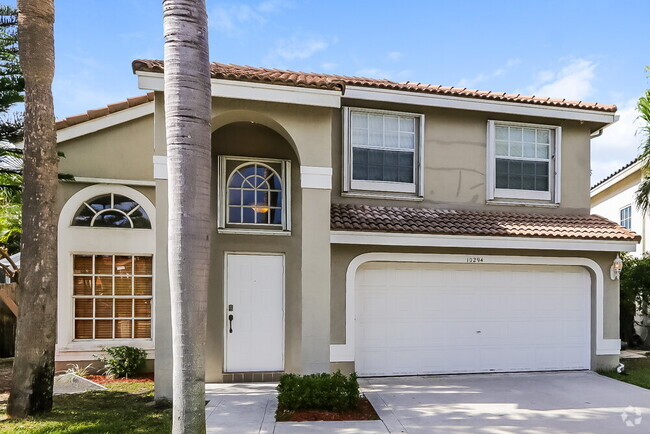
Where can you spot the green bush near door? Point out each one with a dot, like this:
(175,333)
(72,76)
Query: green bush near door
(330,392)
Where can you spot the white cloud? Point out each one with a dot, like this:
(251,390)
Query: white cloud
(329,66)
(619,143)
(296,48)
(573,81)
(232,19)
(394,56)
(485,76)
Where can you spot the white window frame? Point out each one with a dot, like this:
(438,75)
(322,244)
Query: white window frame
(76,240)
(253,228)
(550,196)
(629,216)
(414,189)
(113,297)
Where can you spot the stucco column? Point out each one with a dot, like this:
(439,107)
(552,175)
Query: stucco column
(162,306)
(316,186)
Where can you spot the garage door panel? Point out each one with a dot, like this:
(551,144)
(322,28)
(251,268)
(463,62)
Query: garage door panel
(434,318)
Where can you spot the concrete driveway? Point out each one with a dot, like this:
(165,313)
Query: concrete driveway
(567,402)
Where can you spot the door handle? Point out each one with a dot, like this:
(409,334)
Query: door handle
(230,318)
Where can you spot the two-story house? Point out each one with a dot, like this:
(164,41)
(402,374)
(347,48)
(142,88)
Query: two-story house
(358,224)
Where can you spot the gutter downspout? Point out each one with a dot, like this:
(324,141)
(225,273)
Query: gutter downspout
(596,134)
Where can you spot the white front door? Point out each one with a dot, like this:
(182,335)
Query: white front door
(254,313)
(415,318)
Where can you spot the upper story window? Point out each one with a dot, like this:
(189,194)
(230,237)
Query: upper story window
(254,192)
(112,211)
(382,151)
(626,217)
(522,162)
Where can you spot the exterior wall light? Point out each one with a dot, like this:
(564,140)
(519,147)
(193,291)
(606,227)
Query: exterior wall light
(615,270)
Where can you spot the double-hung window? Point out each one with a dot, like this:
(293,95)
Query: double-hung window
(626,217)
(382,151)
(523,162)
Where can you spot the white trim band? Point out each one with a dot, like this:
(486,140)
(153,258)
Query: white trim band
(159,167)
(462,103)
(470,241)
(316,177)
(346,352)
(254,91)
(110,120)
(90,180)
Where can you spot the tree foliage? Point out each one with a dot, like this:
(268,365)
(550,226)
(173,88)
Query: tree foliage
(12,87)
(635,293)
(643,191)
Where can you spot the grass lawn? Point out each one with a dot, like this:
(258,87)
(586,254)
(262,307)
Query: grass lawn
(120,409)
(638,371)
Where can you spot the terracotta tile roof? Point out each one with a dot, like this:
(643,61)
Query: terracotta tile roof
(608,177)
(339,82)
(104,111)
(465,222)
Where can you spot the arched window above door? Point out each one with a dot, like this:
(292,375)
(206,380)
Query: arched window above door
(255,193)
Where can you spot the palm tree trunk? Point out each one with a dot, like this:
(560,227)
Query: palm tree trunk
(187,117)
(33,374)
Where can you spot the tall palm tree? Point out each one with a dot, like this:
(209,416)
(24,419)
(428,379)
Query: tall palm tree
(643,192)
(33,375)
(187,117)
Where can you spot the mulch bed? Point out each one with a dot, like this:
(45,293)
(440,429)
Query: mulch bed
(364,411)
(103,379)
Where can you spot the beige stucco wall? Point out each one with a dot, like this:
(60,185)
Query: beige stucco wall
(123,151)
(455,160)
(343,254)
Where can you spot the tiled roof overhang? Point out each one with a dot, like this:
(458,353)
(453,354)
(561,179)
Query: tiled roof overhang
(339,82)
(477,223)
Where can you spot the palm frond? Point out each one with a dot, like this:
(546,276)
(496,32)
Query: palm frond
(642,195)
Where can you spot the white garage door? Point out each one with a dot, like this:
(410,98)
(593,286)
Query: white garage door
(416,318)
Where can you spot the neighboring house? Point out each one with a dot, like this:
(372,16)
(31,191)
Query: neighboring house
(358,224)
(613,198)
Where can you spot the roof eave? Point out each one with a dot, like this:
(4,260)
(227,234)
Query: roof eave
(356,237)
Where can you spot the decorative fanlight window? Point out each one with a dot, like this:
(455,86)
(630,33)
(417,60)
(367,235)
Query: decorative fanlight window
(112,211)
(255,193)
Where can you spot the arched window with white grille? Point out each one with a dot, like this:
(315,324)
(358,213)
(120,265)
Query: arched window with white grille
(112,211)
(255,192)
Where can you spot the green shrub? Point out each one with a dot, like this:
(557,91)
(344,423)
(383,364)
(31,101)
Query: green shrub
(122,361)
(331,392)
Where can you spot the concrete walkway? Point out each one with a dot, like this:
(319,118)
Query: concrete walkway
(250,408)
(564,402)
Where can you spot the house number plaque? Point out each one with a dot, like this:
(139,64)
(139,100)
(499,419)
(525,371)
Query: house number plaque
(474,260)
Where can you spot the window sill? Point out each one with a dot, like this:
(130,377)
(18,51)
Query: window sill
(519,202)
(232,231)
(382,195)
(88,348)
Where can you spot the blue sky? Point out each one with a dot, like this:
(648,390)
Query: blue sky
(588,50)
